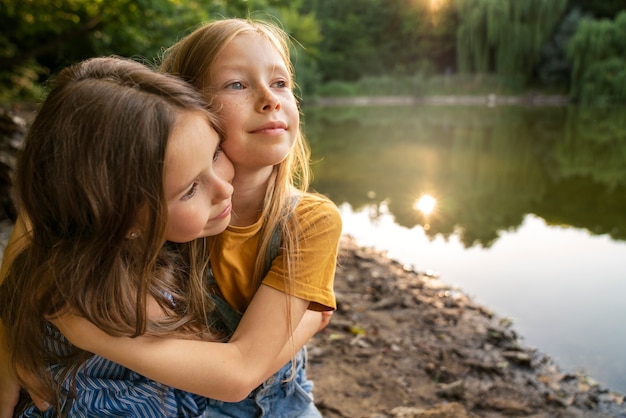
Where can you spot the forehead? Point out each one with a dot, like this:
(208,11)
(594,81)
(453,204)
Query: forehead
(189,151)
(249,45)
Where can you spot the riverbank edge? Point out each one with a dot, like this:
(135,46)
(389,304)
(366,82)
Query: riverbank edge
(404,344)
(440,100)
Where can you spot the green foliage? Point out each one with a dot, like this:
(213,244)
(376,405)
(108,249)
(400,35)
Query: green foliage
(604,83)
(599,8)
(391,85)
(41,36)
(375,86)
(600,132)
(405,46)
(555,68)
(376,37)
(420,85)
(337,89)
(474,84)
(304,29)
(597,51)
(504,36)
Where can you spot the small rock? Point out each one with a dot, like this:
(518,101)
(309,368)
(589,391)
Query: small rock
(519,357)
(443,410)
(454,390)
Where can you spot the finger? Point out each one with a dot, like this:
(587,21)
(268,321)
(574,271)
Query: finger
(34,388)
(39,402)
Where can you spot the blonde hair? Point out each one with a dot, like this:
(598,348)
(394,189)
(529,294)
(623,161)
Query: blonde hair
(191,58)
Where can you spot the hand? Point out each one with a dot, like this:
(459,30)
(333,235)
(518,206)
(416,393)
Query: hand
(10,389)
(33,388)
(39,402)
(326,316)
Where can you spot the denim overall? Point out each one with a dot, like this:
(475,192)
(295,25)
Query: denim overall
(280,396)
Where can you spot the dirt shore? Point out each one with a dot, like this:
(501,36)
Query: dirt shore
(403,344)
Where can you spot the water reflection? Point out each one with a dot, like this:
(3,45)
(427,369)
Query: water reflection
(489,167)
(529,216)
(425,204)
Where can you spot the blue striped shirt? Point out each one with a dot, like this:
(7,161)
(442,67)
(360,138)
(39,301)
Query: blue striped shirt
(106,389)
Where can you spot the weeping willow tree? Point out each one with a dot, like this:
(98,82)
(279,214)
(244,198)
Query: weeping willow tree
(504,36)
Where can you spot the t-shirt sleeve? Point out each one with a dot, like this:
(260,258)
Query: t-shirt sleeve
(312,278)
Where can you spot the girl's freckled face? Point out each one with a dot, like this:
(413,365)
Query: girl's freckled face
(254,91)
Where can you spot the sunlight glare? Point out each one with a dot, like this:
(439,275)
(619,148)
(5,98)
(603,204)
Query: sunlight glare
(436,5)
(425,204)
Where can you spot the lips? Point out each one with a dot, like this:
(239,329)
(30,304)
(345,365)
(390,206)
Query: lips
(271,127)
(224,213)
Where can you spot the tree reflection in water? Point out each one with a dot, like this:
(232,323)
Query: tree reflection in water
(489,167)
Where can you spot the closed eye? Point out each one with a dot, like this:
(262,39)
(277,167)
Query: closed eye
(217,154)
(191,192)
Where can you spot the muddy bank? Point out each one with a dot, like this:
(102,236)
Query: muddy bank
(403,344)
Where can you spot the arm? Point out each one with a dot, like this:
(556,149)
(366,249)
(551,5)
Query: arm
(311,323)
(226,371)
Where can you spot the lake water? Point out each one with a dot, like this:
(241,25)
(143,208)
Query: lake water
(530,214)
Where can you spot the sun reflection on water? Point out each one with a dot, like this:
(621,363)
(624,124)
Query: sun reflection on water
(425,204)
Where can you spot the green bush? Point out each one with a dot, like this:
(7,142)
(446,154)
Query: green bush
(336,89)
(604,83)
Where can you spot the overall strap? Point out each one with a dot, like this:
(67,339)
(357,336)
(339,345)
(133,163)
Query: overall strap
(228,317)
(273,249)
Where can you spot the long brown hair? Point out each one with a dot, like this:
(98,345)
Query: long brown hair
(191,59)
(91,168)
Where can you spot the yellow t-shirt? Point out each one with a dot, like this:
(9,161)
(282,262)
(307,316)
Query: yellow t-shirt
(234,251)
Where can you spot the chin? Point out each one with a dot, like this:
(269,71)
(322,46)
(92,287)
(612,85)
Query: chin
(216,229)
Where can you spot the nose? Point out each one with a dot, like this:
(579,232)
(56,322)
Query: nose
(223,190)
(225,172)
(268,101)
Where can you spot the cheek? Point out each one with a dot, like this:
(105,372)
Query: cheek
(230,112)
(181,226)
(294,113)
(234,150)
